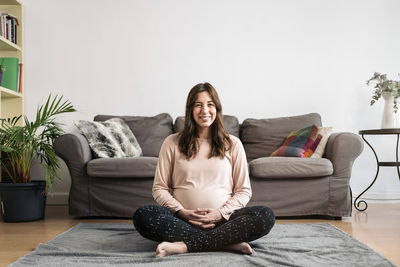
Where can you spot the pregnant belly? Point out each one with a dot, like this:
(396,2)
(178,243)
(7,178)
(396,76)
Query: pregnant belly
(197,198)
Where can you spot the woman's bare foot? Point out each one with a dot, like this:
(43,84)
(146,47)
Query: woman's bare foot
(240,247)
(168,248)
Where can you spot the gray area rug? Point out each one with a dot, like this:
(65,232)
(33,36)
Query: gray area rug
(319,244)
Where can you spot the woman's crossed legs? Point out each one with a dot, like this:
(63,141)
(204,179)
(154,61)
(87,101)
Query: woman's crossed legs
(160,224)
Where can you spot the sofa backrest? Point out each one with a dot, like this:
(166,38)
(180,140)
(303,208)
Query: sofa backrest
(231,124)
(150,132)
(260,137)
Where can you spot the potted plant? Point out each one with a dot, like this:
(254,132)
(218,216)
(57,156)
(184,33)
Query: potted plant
(390,91)
(22,198)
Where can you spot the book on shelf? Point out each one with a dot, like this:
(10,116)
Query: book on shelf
(19,78)
(9,27)
(10,75)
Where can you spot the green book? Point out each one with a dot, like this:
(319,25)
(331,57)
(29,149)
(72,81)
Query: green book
(10,75)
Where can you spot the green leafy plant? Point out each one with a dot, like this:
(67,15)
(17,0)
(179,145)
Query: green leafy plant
(21,144)
(382,84)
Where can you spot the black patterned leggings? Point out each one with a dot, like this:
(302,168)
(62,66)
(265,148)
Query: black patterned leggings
(160,224)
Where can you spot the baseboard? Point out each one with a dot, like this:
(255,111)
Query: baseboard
(62,198)
(379,197)
(57,199)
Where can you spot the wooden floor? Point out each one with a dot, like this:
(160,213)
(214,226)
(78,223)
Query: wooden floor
(378,227)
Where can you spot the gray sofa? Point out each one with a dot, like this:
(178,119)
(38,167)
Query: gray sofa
(290,186)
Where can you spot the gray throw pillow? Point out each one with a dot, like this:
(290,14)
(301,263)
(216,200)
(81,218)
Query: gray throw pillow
(110,139)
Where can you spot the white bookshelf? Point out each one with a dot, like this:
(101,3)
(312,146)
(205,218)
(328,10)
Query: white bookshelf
(11,102)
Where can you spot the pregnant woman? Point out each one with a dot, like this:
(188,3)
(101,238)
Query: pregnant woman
(202,185)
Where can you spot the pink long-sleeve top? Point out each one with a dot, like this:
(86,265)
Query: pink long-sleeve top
(202,182)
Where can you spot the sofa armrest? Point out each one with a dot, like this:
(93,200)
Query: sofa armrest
(74,149)
(342,149)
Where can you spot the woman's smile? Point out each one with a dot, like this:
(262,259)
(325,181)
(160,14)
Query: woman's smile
(205,118)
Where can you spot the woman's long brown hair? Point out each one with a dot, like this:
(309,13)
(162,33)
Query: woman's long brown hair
(220,141)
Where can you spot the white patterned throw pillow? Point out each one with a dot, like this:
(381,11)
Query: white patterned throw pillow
(110,139)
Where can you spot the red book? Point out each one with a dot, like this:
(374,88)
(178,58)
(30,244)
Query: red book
(20,78)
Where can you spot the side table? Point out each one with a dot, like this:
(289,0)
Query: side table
(391,131)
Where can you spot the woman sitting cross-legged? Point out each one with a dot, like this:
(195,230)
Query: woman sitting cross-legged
(202,185)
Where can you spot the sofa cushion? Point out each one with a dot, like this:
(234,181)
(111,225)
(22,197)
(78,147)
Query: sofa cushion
(140,167)
(262,136)
(286,167)
(231,124)
(149,131)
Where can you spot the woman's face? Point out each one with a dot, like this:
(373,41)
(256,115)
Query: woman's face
(204,110)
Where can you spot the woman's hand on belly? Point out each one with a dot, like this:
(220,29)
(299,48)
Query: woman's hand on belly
(200,217)
(210,216)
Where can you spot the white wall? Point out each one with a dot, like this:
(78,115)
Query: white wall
(266,59)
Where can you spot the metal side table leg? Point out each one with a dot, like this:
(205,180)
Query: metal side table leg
(357,204)
(397,156)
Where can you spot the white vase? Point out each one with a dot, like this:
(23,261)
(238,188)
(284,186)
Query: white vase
(388,117)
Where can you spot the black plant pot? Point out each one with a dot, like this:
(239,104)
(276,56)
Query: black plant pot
(22,202)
